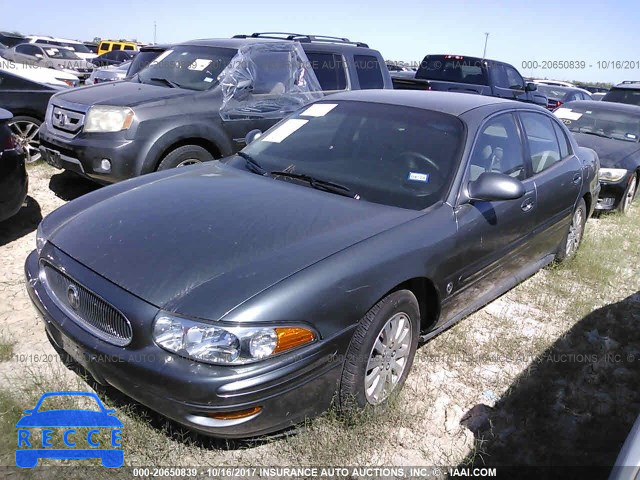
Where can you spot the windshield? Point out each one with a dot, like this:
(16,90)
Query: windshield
(187,66)
(450,68)
(600,121)
(388,154)
(554,92)
(61,53)
(623,95)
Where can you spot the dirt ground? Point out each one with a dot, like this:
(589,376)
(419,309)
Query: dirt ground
(546,374)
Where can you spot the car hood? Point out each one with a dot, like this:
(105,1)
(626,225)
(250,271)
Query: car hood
(121,94)
(612,153)
(217,228)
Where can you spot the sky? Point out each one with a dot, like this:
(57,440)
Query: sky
(520,32)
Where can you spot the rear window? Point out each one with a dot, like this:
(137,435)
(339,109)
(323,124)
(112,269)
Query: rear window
(448,68)
(329,69)
(623,95)
(369,73)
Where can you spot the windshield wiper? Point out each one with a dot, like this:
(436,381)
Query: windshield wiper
(166,81)
(253,165)
(591,132)
(318,184)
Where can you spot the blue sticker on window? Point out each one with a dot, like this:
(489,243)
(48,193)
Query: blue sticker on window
(418,177)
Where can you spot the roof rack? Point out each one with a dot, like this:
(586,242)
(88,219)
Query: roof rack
(631,81)
(303,38)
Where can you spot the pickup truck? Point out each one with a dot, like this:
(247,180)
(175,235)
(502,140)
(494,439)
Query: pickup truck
(456,73)
(198,100)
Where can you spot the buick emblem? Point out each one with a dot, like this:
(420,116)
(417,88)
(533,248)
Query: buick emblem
(73,295)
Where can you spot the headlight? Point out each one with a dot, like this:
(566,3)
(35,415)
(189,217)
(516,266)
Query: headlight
(612,174)
(40,239)
(209,343)
(102,118)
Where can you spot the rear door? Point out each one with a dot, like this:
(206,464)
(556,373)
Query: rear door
(494,238)
(330,70)
(557,174)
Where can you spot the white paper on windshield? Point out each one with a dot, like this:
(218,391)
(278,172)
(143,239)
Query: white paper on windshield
(567,113)
(318,110)
(208,79)
(52,51)
(199,64)
(162,56)
(284,130)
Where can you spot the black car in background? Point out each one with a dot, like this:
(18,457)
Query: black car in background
(464,74)
(556,96)
(114,57)
(625,92)
(242,296)
(12,39)
(613,131)
(27,100)
(14,181)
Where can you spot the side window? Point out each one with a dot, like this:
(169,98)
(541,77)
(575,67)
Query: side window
(542,141)
(329,68)
(500,76)
(128,47)
(562,140)
(117,46)
(369,73)
(498,148)
(513,78)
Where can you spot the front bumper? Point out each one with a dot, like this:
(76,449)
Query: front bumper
(84,154)
(289,388)
(611,194)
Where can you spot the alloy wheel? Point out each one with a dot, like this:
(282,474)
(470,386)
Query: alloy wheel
(27,134)
(631,192)
(575,232)
(388,358)
(189,161)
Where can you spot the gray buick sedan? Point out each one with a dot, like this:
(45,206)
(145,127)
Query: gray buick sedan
(239,297)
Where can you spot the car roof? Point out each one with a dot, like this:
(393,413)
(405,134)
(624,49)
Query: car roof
(445,102)
(610,106)
(240,42)
(629,84)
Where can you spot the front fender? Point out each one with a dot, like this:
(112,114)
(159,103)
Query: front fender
(158,144)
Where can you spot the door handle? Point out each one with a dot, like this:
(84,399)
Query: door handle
(527,205)
(577,178)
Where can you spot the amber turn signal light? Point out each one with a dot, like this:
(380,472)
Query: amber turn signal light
(289,338)
(235,414)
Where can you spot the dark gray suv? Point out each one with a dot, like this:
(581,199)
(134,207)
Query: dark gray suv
(198,100)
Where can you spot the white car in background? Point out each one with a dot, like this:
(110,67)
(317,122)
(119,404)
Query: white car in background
(108,74)
(77,47)
(38,74)
(554,83)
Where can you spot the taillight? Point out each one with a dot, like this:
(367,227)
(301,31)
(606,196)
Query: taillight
(558,103)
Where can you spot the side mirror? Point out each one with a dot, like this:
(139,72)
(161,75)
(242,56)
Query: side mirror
(39,55)
(492,186)
(252,135)
(530,87)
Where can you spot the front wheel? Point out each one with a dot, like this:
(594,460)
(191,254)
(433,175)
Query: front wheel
(381,351)
(629,195)
(185,155)
(27,129)
(573,238)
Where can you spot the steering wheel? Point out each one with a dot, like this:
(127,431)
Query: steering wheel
(419,157)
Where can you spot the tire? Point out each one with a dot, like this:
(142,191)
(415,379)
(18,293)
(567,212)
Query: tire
(571,241)
(369,343)
(629,195)
(183,156)
(26,129)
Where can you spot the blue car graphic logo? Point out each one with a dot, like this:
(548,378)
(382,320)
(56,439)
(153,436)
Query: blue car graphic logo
(32,447)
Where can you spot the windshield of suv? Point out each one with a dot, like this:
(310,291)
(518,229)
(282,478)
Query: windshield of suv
(623,95)
(399,156)
(61,53)
(188,66)
(600,121)
(142,60)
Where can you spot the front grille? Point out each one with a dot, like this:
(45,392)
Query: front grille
(66,120)
(87,309)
